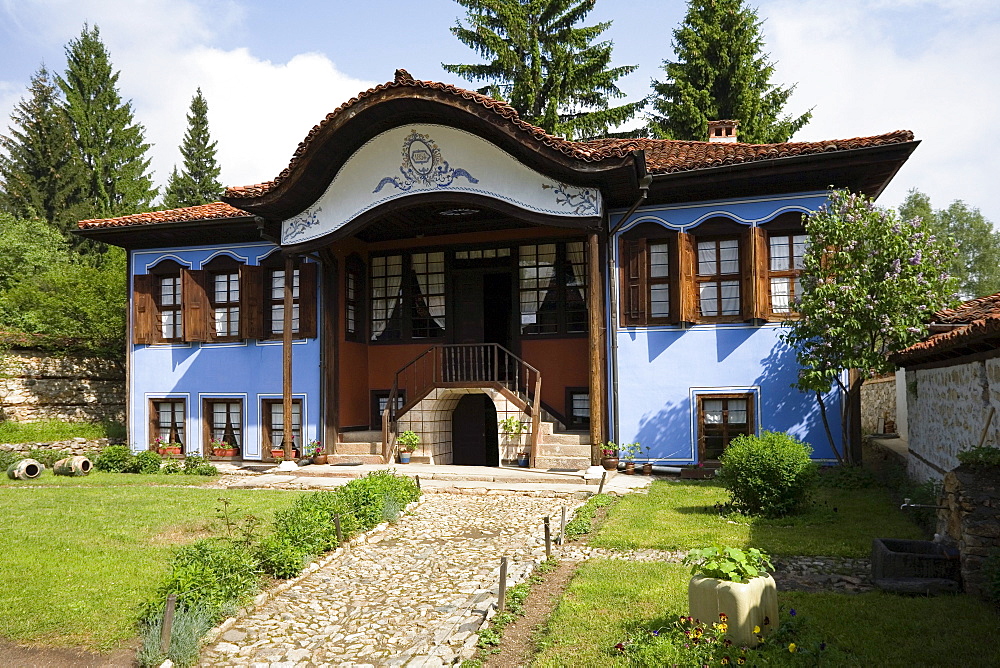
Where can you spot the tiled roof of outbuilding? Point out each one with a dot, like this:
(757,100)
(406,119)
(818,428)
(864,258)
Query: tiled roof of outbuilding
(976,328)
(213,211)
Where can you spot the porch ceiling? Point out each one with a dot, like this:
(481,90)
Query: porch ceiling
(433,220)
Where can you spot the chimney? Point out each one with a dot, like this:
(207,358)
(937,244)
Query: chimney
(722,130)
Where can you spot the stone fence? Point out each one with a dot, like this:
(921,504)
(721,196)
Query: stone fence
(78,446)
(972,520)
(35,386)
(878,401)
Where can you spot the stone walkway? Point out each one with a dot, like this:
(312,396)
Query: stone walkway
(412,594)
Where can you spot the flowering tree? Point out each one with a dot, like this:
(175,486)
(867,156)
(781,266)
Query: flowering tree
(870,282)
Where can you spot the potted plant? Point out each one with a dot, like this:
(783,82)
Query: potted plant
(278,452)
(406,444)
(523,459)
(220,448)
(317,452)
(733,585)
(512,428)
(164,448)
(609,456)
(647,467)
(628,453)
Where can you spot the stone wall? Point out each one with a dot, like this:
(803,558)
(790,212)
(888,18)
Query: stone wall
(878,400)
(972,520)
(947,410)
(78,446)
(37,387)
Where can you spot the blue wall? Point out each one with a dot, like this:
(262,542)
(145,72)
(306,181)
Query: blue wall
(247,370)
(662,370)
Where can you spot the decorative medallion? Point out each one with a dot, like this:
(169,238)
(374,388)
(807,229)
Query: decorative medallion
(583,201)
(302,222)
(423,166)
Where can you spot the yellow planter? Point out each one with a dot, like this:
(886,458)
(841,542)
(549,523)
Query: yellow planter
(746,605)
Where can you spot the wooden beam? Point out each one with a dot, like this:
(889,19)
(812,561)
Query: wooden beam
(286,367)
(596,336)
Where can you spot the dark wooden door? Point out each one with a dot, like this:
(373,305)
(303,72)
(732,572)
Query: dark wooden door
(467,295)
(474,432)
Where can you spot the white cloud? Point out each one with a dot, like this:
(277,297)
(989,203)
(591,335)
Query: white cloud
(868,72)
(258,110)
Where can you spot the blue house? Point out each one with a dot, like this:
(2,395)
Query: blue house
(428,261)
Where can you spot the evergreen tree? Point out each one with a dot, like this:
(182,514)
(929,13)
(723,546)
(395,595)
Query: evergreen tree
(976,262)
(41,173)
(198,183)
(721,72)
(545,66)
(111,143)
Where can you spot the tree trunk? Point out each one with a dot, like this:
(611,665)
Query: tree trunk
(826,427)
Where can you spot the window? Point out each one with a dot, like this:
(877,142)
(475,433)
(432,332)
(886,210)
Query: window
(427,305)
(552,284)
(224,421)
(786,252)
(386,297)
(649,276)
(224,297)
(659,279)
(718,277)
(379,400)
(169,303)
(303,297)
(578,407)
(166,420)
(721,418)
(274,423)
(354,271)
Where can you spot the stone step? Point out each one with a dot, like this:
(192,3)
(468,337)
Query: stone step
(367,436)
(567,438)
(546,449)
(370,448)
(354,459)
(572,463)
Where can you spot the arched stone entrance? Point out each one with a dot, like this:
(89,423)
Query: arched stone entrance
(432,420)
(474,437)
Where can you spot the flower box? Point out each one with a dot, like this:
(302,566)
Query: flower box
(747,605)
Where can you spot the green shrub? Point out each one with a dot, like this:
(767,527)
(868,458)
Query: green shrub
(147,461)
(171,467)
(48,457)
(218,575)
(769,475)
(115,459)
(280,558)
(9,458)
(982,456)
(198,465)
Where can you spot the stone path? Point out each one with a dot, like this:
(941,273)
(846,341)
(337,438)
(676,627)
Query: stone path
(412,594)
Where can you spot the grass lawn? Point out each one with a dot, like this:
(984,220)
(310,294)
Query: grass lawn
(681,515)
(609,600)
(58,430)
(82,555)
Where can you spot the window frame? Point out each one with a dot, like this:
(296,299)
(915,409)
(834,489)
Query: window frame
(354,272)
(720,278)
(154,420)
(304,302)
(228,266)
(267,428)
(172,270)
(562,270)
(635,275)
(208,424)
(792,273)
(751,427)
(375,397)
(572,422)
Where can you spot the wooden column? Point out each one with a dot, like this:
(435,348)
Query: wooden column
(596,335)
(286,349)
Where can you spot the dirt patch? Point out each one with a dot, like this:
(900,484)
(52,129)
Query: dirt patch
(518,644)
(51,657)
(181,535)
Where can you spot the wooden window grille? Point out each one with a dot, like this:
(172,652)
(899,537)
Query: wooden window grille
(167,420)
(274,425)
(224,421)
(721,418)
(786,252)
(719,277)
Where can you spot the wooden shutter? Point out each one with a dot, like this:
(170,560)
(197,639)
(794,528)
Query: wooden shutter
(144,325)
(634,286)
(197,312)
(307,300)
(251,302)
(687,262)
(754,287)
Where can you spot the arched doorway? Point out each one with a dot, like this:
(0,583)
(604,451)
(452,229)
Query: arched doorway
(474,431)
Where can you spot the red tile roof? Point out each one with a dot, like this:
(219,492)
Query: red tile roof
(213,211)
(662,155)
(976,327)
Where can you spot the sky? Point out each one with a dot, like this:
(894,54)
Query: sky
(271,70)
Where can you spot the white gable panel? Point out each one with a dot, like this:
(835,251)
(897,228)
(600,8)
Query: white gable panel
(419,159)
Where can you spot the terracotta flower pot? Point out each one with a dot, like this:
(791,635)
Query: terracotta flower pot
(609,463)
(320,458)
(647,468)
(224,452)
(629,468)
(279,453)
(169,451)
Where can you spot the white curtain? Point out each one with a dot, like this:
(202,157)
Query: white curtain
(431,281)
(574,253)
(380,316)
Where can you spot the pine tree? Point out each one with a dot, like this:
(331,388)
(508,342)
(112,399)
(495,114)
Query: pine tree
(551,71)
(111,142)
(721,72)
(42,174)
(198,183)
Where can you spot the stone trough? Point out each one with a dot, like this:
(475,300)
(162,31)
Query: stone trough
(915,567)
